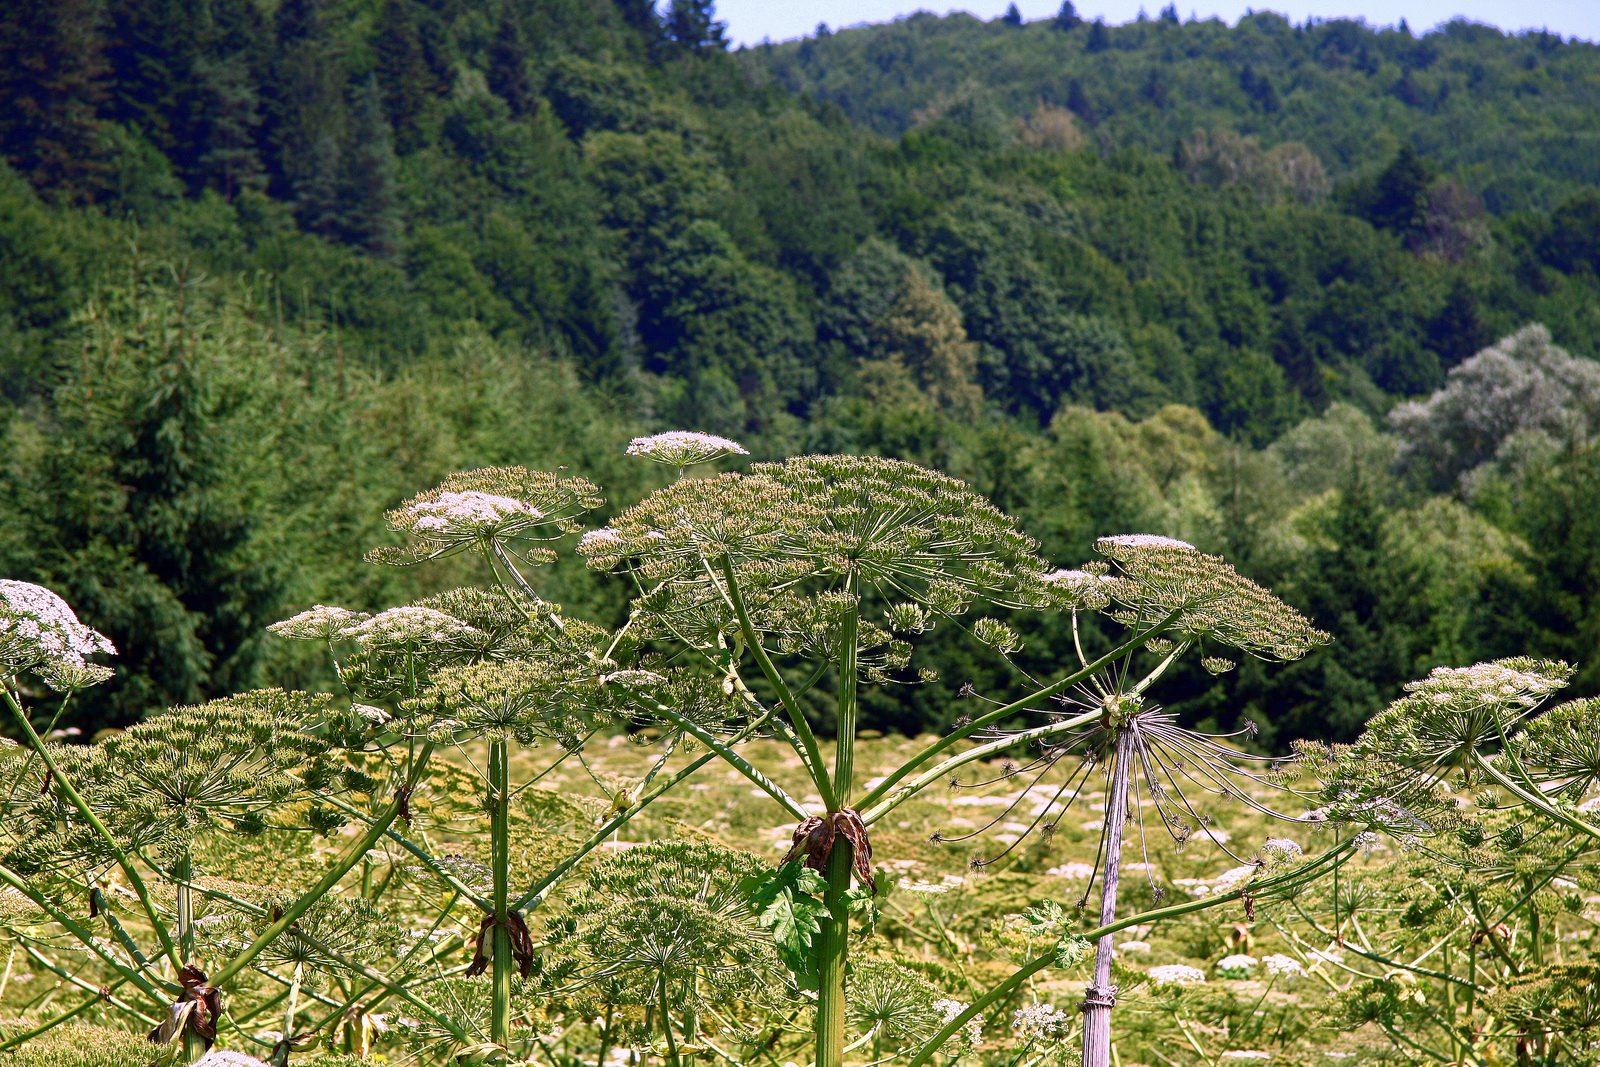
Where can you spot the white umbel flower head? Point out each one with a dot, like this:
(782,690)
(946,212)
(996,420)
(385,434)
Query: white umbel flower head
(41,633)
(1236,966)
(1081,588)
(320,622)
(972,1032)
(469,511)
(1176,974)
(1281,966)
(487,508)
(1143,541)
(413,626)
(1281,848)
(684,448)
(1041,1022)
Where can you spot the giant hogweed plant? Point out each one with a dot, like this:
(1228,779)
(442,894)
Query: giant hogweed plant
(1475,946)
(758,595)
(822,572)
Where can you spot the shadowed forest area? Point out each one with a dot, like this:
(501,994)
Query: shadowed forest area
(1324,299)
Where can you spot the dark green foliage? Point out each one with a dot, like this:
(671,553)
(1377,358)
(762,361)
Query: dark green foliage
(692,25)
(52,82)
(508,67)
(403,72)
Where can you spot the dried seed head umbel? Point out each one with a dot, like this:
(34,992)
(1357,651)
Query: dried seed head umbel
(1158,576)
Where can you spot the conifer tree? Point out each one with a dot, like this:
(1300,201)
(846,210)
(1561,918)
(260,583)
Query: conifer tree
(1067,18)
(371,215)
(403,73)
(508,66)
(52,78)
(307,115)
(155,49)
(693,26)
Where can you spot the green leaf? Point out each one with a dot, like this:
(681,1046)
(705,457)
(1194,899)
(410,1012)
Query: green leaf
(787,902)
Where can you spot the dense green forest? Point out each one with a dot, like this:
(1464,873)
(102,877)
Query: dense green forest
(1510,117)
(1323,299)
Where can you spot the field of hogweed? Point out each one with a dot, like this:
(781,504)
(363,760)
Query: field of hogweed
(518,837)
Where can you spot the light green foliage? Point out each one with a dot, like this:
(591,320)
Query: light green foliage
(85,1046)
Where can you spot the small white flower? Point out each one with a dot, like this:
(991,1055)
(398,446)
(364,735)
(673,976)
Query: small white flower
(633,678)
(1176,974)
(41,633)
(1072,577)
(373,714)
(684,448)
(410,626)
(1236,966)
(1141,947)
(920,886)
(1145,541)
(972,1032)
(1232,878)
(1040,1022)
(1282,848)
(1241,1054)
(1283,966)
(470,511)
(320,622)
(599,542)
(221,1058)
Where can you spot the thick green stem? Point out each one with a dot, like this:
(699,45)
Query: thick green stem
(183,875)
(280,1054)
(666,1024)
(500,962)
(194,1046)
(1101,995)
(833,943)
(844,741)
(832,948)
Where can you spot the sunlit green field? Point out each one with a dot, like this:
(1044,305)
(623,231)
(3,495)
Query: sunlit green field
(952,907)
(949,919)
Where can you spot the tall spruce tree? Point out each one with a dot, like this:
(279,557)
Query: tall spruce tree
(52,80)
(371,214)
(406,80)
(693,26)
(508,75)
(307,115)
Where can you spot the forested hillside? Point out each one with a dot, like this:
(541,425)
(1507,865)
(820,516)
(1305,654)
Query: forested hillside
(1508,116)
(268,269)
